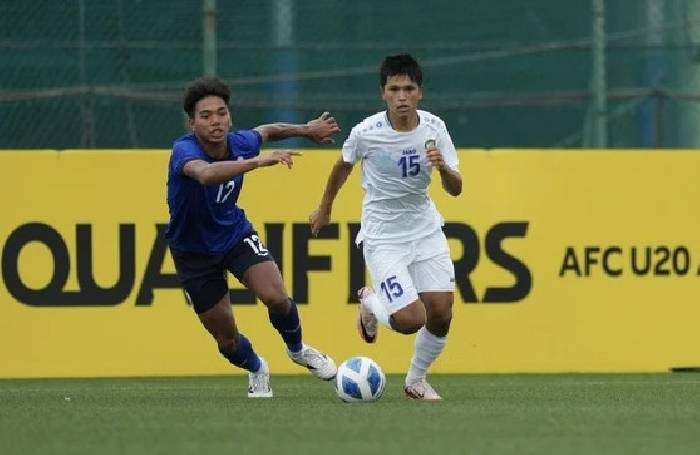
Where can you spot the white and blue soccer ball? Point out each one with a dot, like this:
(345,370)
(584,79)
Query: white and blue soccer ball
(359,379)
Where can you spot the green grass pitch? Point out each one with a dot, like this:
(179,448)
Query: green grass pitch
(480,414)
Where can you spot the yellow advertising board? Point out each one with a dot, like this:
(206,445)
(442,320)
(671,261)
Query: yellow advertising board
(566,261)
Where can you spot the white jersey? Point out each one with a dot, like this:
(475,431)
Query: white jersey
(395,176)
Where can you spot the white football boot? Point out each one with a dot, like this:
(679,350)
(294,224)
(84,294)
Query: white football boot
(318,363)
(366,320)
(259,382)
(421,390)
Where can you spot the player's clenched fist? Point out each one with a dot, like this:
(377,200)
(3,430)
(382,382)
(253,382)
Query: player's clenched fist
(435,158)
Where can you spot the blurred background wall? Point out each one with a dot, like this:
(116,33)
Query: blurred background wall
(110,73)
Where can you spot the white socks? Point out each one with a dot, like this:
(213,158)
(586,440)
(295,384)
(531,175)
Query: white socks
(375,305)
(428,348)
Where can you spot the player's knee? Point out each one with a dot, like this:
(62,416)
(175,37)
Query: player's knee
(414,326)
(276,302)
(439,319)
(407,322)
(439,323)
(274,297)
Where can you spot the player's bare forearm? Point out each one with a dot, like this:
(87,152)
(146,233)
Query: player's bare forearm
(319,130)
(339,174)
(322,215)
(223,171)
(220,172)
(279,131)
(451,181)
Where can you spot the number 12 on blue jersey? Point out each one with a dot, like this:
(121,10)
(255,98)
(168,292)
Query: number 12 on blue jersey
(225,190)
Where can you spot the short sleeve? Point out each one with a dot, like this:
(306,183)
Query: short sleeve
(246,143)
(181,155)
(351,147)
(447,147)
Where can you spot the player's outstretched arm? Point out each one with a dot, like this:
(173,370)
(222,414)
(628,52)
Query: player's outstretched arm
(322,215)
(319,130)
(223,171)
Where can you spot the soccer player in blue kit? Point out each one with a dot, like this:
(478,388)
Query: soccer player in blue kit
(209,234)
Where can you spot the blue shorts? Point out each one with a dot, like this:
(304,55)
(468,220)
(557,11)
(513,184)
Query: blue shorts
(203,276)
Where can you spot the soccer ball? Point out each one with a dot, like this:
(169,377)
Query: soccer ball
(359,379)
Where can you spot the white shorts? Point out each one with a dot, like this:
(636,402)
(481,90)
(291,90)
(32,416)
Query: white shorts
(400,271)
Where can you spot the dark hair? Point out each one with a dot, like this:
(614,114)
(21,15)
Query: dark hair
(201,88)
(400,65)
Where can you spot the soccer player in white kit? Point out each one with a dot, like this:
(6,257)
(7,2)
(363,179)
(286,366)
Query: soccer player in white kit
(405,249)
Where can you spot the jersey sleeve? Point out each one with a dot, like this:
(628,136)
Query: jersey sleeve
(246,142)
(352,152)
(447,147)
(181,155)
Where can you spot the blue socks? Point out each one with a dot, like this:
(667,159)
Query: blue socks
(289,326)
(244,357)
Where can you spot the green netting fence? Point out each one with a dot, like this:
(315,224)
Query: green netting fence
(110,73)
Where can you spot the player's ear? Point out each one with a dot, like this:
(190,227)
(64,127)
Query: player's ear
(190,122)
(381,92)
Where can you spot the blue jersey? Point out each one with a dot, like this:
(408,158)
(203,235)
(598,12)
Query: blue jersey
(206,219)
